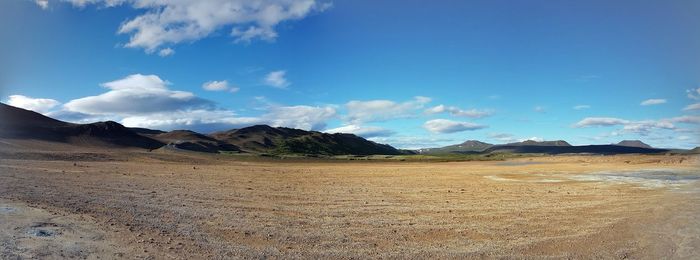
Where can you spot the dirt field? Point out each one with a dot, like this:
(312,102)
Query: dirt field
(112,205)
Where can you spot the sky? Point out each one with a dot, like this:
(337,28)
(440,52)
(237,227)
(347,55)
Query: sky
(408,73)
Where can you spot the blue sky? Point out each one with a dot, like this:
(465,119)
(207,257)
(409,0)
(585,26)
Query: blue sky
(400,72)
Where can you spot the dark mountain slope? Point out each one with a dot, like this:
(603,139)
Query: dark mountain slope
(17,123)
(193,141)
(267,139)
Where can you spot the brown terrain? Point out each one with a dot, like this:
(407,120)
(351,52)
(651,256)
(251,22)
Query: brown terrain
(135,204)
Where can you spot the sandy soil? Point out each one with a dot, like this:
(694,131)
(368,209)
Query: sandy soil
(142,205)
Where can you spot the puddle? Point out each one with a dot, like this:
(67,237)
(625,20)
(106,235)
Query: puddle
(41,233)
(513,163)
(656,178)
(4,209)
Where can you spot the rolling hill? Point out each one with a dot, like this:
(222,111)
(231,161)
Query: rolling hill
(634,143)
(542,147)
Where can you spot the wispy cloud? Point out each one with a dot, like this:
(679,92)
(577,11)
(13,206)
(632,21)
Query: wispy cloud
(277,79)
(166,52)
(581,107)
(653,101)
(455,111)
(216,85)
(695,106)
(43,4)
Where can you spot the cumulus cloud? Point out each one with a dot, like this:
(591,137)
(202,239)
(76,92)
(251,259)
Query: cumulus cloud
(695,106)
(653,101)
(455,111)
(302,117)
(581,107)
(41,105)
(277,79)
(364,131)
(136,94)
(165,23)
(215,85)
(381,110)
(445,126)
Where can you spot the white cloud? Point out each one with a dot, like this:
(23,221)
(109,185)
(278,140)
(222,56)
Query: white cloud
(166,52)
(277,79)
(686,119)
(41,105)
(693,93)
(539,109)
(216,85)
(534,138)
(642,127)
(414,142)
(136,94)
(302,117)
(382,110)
(653,101)
(581,107)
(695,106)
(202,120)
(164,23)
(448,126)
(364,131)
(600,121)
(43,4)
(455,111)
(503,137)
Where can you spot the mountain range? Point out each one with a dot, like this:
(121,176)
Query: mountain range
(21,124)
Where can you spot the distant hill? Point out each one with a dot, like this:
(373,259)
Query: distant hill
(541,143)
(467,146)
(592,149)
(193,141)
(267,139)
(634,143)
(23,124)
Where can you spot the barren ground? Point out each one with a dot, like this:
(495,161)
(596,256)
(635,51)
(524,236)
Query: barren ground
(148,205)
